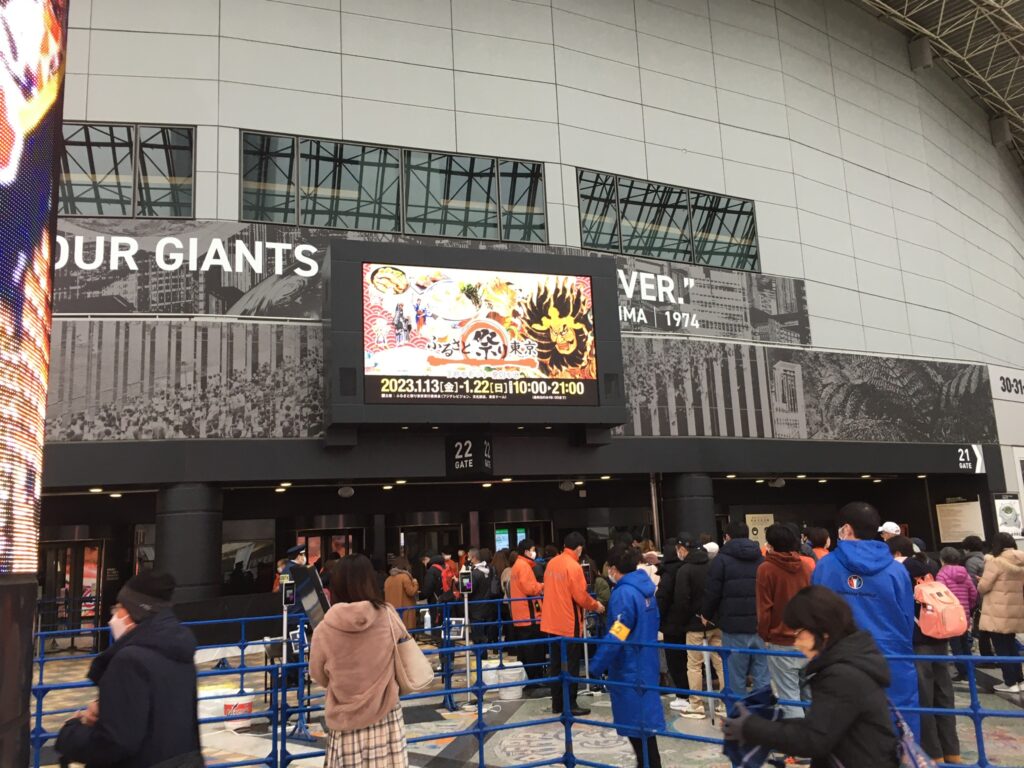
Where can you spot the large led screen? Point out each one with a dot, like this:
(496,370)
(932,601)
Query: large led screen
(31,70)
(433,335)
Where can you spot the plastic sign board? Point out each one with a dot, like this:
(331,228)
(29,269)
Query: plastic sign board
(958,520)
(1008,513)
(758,524)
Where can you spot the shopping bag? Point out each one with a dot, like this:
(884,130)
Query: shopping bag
(760,703)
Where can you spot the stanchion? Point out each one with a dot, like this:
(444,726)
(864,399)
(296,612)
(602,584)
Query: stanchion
(588,690)
(470,705)
(712,703)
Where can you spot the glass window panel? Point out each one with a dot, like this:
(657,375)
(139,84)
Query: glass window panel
(348,186)
(655,220)
(96,170)
(268,178)
(723,231)
(599,213)
(450,195)
(523,209)
(165,172)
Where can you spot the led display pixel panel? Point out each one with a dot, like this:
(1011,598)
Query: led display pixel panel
(433,335)
(31,72)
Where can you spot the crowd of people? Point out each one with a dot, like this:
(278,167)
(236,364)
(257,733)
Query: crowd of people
(817,625)
(267,402)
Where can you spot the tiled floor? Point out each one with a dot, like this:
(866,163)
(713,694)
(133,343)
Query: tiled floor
(1004,738)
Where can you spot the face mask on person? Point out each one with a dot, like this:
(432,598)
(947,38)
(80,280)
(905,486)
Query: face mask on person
(447,558)
(119,625)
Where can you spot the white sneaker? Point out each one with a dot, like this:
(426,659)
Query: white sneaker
(682,706)
(1002,688)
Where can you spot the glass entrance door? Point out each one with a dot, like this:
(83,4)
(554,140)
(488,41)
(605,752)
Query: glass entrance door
(320,544)
(418,541)
(71,576)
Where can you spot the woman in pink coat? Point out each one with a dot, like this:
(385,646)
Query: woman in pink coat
(959,582)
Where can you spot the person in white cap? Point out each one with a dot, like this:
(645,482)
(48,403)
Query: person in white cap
(889,529)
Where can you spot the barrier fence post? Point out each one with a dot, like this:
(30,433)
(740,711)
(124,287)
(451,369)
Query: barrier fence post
(569,758)
(447,656)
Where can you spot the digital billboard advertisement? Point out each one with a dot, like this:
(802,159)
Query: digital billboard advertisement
(439,335)
(32,47)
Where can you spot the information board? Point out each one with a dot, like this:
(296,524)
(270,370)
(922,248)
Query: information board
(959,520)
(440,335)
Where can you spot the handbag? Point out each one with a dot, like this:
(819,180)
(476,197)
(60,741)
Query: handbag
(907,749)
(412,670)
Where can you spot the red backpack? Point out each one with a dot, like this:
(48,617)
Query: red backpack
(941,616)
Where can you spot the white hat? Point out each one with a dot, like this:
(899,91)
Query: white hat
(711,548)
(890,527)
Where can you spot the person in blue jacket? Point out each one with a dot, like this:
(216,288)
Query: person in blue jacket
(633,618)
(878,590)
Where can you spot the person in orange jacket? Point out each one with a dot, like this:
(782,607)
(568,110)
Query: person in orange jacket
(565,603)
(526,613)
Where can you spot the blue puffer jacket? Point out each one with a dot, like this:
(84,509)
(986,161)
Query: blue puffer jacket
(632,619)
(879,593)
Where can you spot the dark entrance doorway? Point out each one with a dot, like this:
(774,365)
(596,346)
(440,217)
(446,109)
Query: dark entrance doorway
(71,576)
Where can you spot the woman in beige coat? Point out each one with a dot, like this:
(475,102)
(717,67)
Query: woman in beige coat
(352,655)
(1002,611)
(401,591)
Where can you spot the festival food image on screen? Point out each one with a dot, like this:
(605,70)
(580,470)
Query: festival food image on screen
(31,72)
(465,336)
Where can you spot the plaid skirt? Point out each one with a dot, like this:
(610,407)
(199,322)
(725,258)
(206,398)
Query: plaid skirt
(381,745)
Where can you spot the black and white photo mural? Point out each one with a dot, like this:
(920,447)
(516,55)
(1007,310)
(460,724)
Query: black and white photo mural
(711,389)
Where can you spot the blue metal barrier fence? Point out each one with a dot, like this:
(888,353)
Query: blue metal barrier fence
(291,703)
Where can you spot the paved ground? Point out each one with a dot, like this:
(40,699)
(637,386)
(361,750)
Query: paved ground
(1004,737)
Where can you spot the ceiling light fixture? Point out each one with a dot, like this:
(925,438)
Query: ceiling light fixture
(520,427)
(404,428)
(435,428)
(759,481)
(548,427)
(606,477)
(801,477)
(280,490)
(506,479)
(922,477)
(578,482)
(388,487)
(115,495)
(877,480)
(486,485)
(97,489)
(346,491)
(865,477)
(285,484)
(730,477)
(822,481)
(400,482)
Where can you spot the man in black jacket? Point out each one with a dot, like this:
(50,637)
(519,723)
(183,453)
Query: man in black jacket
(146,711)
(685,623)
(432,590)
(482,615)
(731,594)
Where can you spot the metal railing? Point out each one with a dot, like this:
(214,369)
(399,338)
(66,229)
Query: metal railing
(290,703)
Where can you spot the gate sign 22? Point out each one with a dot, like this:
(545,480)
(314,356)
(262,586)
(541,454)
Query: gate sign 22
(469,456)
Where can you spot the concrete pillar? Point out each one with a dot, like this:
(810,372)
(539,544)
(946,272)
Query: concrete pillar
(17,610)
(688,504)
(188,539)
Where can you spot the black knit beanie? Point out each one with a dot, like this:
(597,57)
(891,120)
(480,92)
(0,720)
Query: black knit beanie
(146,594)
